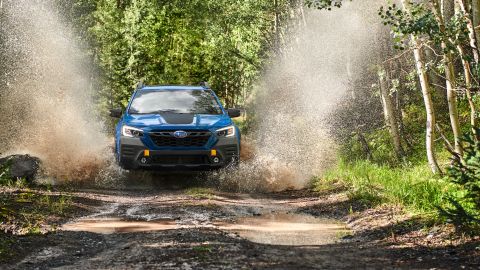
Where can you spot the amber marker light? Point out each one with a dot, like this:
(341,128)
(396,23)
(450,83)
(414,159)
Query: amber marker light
(146,153)
(213,153)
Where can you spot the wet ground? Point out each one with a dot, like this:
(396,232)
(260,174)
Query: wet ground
(180,227)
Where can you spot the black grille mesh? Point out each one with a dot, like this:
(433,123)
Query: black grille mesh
(193,139)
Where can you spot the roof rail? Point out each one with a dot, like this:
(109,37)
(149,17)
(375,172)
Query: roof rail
(205,84)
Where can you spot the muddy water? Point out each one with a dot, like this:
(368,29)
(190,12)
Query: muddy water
(275,228)
(117,225)
(288,229)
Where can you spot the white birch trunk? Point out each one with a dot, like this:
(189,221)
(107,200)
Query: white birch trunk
(389,113)
(466,9)
(450,81)
(427,99)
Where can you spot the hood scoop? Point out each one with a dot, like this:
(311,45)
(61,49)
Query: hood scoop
(178,118)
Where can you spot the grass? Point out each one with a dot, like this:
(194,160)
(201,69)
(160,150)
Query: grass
(203,248)
(26,212)
(414,187)
(200,193)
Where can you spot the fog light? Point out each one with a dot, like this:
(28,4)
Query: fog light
(143,160)
(216,160)
(146,153)
(213,153)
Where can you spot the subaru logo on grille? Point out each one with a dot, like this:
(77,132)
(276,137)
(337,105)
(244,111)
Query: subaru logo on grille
(180,134)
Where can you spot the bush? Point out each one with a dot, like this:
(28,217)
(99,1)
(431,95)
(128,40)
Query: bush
(462,206)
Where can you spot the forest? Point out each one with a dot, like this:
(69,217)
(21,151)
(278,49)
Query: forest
(404,128)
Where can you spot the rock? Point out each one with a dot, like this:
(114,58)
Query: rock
(21,166)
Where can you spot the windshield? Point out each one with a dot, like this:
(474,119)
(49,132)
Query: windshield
(175,101)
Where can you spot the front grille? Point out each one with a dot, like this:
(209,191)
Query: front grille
(194,138)
(179,160)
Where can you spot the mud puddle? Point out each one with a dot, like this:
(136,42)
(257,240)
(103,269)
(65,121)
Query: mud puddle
(117,225)
(287,229)
(274,228)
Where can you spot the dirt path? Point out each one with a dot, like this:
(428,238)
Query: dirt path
(200,229)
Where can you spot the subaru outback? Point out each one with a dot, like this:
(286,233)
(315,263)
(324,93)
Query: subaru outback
(177,128)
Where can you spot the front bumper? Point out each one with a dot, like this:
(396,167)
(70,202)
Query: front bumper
(132,156)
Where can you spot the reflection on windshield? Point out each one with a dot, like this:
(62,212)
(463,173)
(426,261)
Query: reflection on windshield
(175,101)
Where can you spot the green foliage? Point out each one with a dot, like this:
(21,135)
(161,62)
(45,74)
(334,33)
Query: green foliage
(420,20)
(182,42)
(324,4)
(463,203)
(379,142)
(5,177)
(413,187)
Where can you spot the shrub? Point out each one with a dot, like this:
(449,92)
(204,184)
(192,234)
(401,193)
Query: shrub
(462,206)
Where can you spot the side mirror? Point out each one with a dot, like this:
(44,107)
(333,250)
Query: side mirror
(233,113)
(117,112)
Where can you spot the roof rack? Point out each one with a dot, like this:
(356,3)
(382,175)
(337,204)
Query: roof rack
(205,84)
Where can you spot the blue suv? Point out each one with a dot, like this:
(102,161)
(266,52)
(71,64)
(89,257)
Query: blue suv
(176,127)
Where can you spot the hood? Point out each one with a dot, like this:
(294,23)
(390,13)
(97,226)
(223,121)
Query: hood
(175,120)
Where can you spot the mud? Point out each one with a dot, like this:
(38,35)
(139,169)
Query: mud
(198,228)
(277,228)
(287,229)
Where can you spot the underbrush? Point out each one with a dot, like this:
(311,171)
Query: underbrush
(462,206)
(414,187)
(25,212)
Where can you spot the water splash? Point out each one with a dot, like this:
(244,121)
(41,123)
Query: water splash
(295,98)
(46,103)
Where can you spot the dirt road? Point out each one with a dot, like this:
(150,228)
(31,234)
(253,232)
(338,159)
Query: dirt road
(197,228)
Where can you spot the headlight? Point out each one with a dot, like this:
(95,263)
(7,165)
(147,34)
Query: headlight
(226,132)
(131,132)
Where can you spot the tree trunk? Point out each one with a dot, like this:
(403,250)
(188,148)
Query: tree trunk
(447,8)
(389,113)
(466,9)
(476,16)
(427,98)
(452,100)
(399,115)
(435,80)
(450,81)
(468,91)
